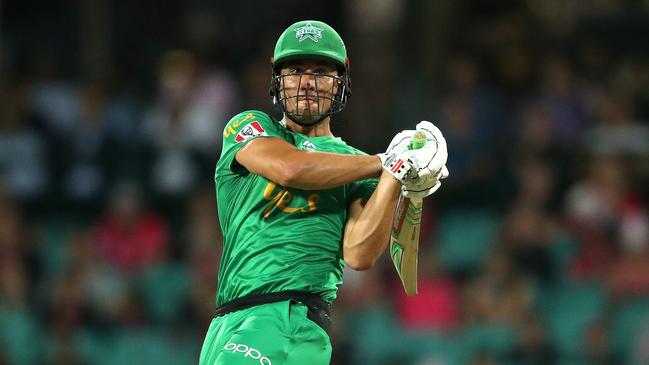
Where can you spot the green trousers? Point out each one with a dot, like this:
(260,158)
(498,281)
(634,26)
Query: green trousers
(269,334)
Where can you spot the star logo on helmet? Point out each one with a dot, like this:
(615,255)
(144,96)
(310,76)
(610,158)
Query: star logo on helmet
(308,31)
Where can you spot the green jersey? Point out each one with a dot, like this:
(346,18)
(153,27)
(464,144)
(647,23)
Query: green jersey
(278,238)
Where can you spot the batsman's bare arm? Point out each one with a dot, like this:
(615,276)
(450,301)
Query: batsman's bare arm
(369,224)
(367,231)
(281,162)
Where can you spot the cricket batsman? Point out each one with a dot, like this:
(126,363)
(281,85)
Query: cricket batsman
(297,203)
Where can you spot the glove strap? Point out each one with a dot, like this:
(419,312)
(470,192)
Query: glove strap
(396,165)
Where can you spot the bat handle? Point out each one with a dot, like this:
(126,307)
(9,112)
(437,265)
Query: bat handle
(418,140)
(417,201)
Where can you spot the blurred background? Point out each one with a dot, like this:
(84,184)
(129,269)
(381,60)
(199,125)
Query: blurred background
(535,251)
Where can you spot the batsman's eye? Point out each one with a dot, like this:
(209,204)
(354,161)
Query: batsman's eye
(289,71)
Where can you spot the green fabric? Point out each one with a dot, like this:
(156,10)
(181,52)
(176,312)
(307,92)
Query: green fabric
(310,38)
(278,238)
(269,334)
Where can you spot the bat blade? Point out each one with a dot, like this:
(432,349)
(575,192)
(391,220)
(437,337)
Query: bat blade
(404,242)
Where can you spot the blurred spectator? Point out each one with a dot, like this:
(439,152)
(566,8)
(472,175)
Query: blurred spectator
(205,242)
(545,107)
(617,132)
(68,305)
(598,208)
(23,163)
(629,272)
(202,302)
(130,237)
(640,347)
(533,347)
(52,96)
(535,130)
(559,96)
(187,118)
(472,121)
(498,295)
(528,235)
(88,150)
(14,284)
(536,184)
(192,103)
(256,77)
(20,333)
(363,289)
(483,359)
(16,243)
(597,346)
(204,235)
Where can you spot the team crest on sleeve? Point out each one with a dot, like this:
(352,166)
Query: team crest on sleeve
(250,130)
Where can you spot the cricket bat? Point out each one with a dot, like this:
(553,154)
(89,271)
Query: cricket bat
(404,240)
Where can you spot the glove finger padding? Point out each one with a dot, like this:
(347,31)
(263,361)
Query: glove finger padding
(431,131)
(400,142)
(444,173)
(396,161)
(420,192)
(419,169)
(422,187)
(436,160)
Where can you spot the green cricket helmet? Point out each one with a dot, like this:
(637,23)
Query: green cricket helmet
(311,39)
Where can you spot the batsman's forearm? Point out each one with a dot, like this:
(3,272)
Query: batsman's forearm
(320,170)
(371,233)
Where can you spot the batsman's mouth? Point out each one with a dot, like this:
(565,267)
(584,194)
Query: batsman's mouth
(307,97)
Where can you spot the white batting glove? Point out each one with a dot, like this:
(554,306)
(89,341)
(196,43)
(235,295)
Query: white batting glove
(394,159)
(429,161)
(423,186)
(433,155)
(401,142)
(398,165)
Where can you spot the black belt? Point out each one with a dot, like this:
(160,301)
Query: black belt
(318,308)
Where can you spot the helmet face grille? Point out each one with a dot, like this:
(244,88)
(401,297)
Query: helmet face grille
(308,98)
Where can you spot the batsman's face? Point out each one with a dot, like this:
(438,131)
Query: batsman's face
(308,87)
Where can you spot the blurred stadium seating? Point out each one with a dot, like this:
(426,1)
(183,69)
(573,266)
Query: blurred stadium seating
(535,250)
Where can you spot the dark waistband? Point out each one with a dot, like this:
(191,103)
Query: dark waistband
(318,308)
